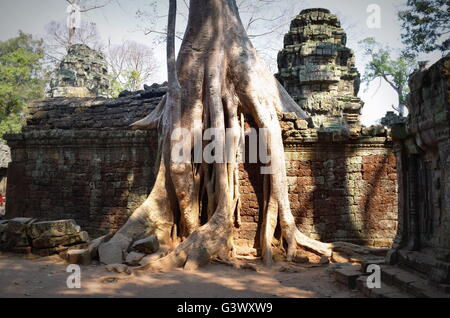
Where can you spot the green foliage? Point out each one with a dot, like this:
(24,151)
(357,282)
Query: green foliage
(20,79)
(129,80)
(382,64)
(427,25)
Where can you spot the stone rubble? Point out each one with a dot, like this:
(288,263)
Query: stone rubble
(26,235)
(148,245)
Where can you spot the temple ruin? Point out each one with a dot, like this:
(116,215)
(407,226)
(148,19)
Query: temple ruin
(319,72)
(78,159)
(82,73)
(422,146)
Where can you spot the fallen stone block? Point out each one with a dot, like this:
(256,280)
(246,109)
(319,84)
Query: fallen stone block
(301,258)
(44,252)
(65,249)
(48,242)
(134,258)
(18,225)
(324,260)
(113,251)
(94,244)
(148,245)
(53,229)
(81,257)
(15,233)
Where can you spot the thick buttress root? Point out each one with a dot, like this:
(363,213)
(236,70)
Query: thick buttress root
(219,78)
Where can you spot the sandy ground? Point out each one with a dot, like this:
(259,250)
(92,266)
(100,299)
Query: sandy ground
(46,277)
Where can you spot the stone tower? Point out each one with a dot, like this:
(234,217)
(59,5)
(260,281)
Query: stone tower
(82,73)
(319,72)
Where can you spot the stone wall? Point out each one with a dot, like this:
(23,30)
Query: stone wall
(78,159)
(339,188)
(95,178)
(423,145)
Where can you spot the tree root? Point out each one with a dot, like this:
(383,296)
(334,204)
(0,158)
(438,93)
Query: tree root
(220,79)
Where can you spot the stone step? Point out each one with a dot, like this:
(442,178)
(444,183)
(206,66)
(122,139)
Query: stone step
(395,281)
(372,261)
(424,264)
(409,282)
(347,275)
(386,291)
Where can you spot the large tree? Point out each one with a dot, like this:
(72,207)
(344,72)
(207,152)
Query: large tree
(384,65)
(217,78)
(75,9)
(264,21)
(57,41)
(426,25)
(21,79)
(131,64)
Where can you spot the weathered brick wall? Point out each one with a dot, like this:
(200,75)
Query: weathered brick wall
(345,192)
(99,172)
(96,178)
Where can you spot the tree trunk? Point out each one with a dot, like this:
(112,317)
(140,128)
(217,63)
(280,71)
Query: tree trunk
(221,77)
(73,21)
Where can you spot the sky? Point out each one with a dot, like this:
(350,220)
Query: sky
(118,22)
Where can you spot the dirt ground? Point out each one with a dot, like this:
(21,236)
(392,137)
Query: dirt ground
(22,276)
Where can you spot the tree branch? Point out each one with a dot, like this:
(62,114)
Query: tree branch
(96,6)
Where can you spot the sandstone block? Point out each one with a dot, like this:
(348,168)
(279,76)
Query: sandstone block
(134,258)
(47,242)
(18,225)
(147,246)
(113,251)
(53,229)
(290,116)
(82,257)
(94,244)
(324,260)
(301,124)
(301,258)
(109,254)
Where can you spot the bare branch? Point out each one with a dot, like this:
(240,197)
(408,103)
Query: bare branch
(96,6)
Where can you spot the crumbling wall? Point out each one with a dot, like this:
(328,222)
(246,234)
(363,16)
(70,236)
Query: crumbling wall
(422,147)
(77,159)
(339,188)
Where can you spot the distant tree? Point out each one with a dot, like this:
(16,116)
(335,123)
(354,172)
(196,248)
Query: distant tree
(427,25)
(75,8)
(57,40)
(21,79)
(395,71)
(131,64)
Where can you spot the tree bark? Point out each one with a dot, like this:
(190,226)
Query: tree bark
(220,79)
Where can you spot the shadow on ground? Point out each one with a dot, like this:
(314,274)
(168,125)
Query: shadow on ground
(46,277)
